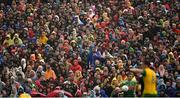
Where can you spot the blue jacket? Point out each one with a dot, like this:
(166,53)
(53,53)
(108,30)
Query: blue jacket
(103,93)
(170,91)
(1,59)
(90,58)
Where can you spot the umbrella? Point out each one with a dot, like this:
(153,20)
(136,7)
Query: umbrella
(55,93)
(37,94)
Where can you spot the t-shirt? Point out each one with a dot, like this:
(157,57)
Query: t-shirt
(149,78)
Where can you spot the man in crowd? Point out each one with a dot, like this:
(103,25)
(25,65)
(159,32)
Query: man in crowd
(149,79)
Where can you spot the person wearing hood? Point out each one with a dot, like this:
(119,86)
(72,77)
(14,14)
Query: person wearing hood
(161,70)
(161,84)
(43,38)
(78,20)
(76,67)
(8,41)
(77,77)
(22,93)
(105,16)
(62,95)
(99,92)
(91,13)
(91,58)
(40,58)
(114,83)
(33,57)
(91,94)
(79,45)
(40,69)
(17,40)
(20,77)
(1,60)
(73,44)
(171,58)
(29,72)
(49,73)
(14,84)
(170,90)
(66,46)
(23,63)
(29,85)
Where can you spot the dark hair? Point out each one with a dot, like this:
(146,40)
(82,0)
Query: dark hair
(147,61)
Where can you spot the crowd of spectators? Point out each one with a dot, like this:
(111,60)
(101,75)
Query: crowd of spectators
(85,47)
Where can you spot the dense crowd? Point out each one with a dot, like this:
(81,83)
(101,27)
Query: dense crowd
(86,47)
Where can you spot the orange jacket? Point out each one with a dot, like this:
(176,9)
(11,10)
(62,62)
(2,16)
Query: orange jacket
(50,74)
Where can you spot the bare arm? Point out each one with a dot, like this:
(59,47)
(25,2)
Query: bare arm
(135,70)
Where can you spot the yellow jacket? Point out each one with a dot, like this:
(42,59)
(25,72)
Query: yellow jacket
(43,39)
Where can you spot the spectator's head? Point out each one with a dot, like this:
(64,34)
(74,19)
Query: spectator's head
(48,67)
(12,79)
(76,62)
(146,62)
(130,76)
(40,69)
(8,37)
(19,76)
(20,90)
(97,90)
(61,94)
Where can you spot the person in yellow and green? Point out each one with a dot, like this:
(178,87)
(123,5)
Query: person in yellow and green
(8,41)
(43,38)
(149,79)
(17,40)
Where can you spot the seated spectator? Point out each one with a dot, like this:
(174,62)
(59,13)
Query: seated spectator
(49,73)
(76,67)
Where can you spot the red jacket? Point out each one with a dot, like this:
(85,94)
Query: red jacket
(76,66)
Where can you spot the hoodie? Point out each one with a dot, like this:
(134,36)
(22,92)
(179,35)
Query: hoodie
(76,67)
(161,85)
(23,63)
(90,58)
(1,59)
(103,93)
(19,41)
(43,39)
(170,91)
(8,41)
